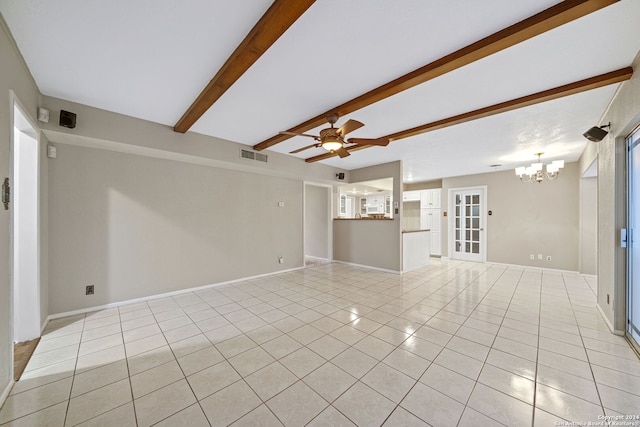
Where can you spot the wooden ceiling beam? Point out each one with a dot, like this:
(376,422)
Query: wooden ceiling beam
(601,80)
(553,17)
(275,21)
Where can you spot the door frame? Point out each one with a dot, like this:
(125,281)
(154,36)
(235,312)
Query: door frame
(483,219)
(629,247)
(330,211)
(24,112)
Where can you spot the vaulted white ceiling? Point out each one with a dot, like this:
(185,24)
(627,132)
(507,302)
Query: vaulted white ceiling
(151,58)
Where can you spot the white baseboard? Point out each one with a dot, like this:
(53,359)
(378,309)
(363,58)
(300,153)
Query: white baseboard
(164,295)
(368,266)
(529,267)
(317,258)
(44,324)
(608,323)
(7,389)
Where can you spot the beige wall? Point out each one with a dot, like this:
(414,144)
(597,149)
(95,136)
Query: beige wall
(369,242)
(426,185)
(411,215)
(164,186)
(107,130)
(135,226)
(527,218)
(589,225)
(14,76)
(624,116)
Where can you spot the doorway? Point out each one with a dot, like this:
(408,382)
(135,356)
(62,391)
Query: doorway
(25,228)
(467,224)
(318,241)
(633,237)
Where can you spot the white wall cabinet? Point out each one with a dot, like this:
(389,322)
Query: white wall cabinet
(431,219)
(411,196)
(430,198)
(431,216)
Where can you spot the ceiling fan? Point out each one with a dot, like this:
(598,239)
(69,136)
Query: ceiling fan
(332,139)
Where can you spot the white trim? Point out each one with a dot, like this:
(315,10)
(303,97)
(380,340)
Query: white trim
(531,267)
(44,325)
(608,323)
(164,295)
(7,390)
(368,266)
(484,225)
(329,188)
(317,258)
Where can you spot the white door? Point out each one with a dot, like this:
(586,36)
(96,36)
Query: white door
(633,238)
(467,240)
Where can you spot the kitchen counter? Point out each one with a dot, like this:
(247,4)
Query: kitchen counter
(416,249)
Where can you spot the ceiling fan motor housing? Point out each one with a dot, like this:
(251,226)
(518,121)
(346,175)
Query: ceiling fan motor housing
(330,134)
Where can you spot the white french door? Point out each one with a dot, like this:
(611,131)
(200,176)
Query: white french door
(633,237)
(467,224)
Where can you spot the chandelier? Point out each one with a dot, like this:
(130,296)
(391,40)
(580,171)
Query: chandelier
(536,172)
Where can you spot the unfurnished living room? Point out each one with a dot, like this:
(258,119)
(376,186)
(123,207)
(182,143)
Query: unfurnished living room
(322,213)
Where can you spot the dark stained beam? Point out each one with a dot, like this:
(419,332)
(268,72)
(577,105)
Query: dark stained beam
(276,20)
(525,101)
(537,24)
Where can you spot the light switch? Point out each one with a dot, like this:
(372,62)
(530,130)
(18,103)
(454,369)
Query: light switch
(52,152)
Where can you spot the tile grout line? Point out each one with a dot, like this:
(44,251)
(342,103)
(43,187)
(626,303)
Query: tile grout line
(535,376)
(585,352)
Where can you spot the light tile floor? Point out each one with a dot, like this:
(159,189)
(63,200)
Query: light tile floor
(450,344)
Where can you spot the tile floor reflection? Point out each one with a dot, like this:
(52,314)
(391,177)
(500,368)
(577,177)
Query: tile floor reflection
(454,343)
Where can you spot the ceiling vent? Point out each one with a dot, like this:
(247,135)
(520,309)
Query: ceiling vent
(246,154)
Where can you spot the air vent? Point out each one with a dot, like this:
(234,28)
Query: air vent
(246,154)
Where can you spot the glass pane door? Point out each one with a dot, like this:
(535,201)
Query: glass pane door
(468,225)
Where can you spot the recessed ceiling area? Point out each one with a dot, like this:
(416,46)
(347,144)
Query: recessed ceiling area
(150,60)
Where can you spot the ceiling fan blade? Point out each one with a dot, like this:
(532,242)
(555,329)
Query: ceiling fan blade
(342,152)
(298,134)
(382,142)
(349,126)
(303,148)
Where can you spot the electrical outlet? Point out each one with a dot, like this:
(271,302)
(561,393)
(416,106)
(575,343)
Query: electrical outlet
(548,257)
(532,257)
(89,290)
(281,260)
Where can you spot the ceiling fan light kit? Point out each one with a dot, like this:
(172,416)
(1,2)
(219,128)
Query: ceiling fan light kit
(536,172)
(332,139)
(597,133)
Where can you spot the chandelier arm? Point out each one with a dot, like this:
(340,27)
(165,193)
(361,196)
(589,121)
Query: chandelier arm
(551,176)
